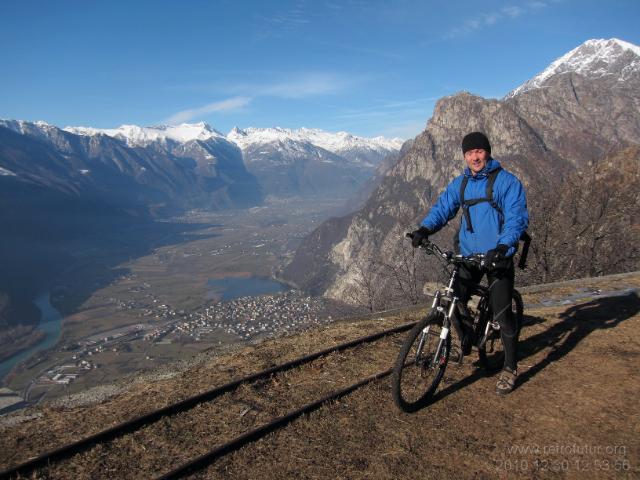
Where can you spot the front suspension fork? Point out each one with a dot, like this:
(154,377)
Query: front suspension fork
(444,333)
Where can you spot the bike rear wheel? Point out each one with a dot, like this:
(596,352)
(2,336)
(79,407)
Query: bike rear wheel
(492,352)
(417,372)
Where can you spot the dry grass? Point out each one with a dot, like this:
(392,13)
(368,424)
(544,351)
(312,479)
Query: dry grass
(578,388)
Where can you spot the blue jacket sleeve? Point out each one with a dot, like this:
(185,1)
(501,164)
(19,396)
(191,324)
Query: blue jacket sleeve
(516,216)
(445,207)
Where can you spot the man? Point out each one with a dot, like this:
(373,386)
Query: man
(490,226)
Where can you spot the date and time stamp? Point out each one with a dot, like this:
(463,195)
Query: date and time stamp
(566,458)
(564,465)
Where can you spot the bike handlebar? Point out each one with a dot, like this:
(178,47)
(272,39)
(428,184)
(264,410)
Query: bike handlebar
(476,259)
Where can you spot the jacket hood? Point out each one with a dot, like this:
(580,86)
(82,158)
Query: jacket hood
(491,165)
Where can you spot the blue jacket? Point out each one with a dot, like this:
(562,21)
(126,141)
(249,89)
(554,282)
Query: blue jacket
(489,229)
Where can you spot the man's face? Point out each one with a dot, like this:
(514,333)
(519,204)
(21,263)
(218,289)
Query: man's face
(476,159)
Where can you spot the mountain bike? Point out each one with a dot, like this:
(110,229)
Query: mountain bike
(424,355)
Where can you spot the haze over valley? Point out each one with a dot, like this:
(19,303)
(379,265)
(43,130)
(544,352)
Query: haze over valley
(133,232)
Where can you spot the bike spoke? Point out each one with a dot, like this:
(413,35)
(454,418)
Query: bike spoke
(420,370)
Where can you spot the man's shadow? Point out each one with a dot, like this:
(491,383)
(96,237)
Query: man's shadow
(577,322)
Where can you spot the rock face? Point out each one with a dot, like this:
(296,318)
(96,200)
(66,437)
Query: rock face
(590,227)
(567,121)
(585,105)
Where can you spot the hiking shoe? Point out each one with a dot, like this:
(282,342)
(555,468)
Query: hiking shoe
(507,381)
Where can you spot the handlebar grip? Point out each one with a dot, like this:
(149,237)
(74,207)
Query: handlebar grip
(486,265)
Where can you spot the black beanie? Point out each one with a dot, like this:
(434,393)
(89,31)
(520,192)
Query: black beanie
(475,140)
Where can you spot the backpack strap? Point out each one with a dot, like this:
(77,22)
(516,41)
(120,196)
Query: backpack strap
(465,204)
(491,179)
(465,208)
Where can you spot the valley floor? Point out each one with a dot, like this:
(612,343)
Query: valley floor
(123,316)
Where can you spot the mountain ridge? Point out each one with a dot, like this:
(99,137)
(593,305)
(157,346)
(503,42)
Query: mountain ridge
(315,162)
(543,135)
(593,58)
(334,142)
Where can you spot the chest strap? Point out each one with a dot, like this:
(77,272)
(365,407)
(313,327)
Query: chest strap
(491,179)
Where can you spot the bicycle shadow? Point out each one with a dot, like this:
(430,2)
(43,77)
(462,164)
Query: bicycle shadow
(577,322)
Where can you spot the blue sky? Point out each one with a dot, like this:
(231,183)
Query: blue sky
(367,67)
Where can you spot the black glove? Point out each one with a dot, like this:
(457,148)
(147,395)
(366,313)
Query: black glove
(497,257)
(420,235)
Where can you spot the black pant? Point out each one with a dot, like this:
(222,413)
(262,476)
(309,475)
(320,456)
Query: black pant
(500,298)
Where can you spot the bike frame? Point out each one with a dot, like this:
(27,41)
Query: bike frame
(446,302)
(427,345)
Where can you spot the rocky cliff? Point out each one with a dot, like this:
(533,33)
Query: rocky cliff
(570,121)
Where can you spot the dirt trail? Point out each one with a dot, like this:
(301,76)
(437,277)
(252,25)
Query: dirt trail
(575,413)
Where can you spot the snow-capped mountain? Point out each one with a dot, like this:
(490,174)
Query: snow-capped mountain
(136,136)
(189,166)
(311,161)
(351,147)
(341,143)
(290,167)
(285,161)
(593,59)
(591,99)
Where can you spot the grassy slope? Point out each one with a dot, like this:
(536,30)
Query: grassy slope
(578,387)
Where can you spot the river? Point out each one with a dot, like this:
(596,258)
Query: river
(225,289)
(50,324)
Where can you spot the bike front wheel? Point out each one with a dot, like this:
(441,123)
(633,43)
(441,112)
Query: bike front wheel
(491,352)
(420,365)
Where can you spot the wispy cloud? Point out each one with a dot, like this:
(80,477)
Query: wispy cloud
(390,109)
(405,130)
(512,11)
(283,21)
(271,83)
(536,4)
(306,85)
(365,50)
(402,119)
(230,104)
(486,20)
(295,87)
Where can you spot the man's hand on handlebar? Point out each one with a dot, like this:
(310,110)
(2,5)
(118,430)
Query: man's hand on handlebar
(497,257)
(418,236)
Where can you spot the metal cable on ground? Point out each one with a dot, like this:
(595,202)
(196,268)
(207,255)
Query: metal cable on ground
(208,458)
(181,406)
